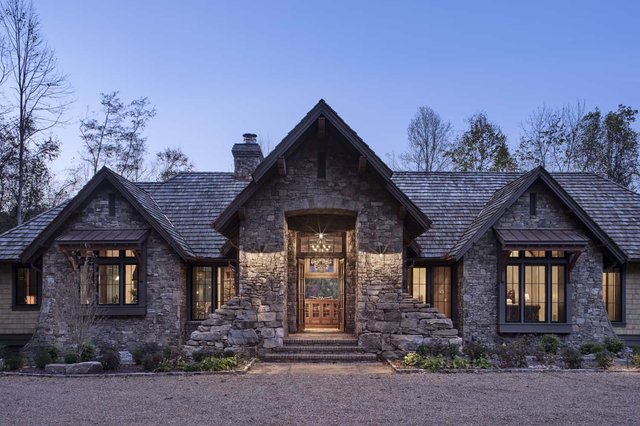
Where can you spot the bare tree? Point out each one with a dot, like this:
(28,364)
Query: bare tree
(572,116)
(132,145)
(429,139)
(542,141)
(170,162)
(41,92)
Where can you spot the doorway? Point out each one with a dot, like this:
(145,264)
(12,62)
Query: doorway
(321,283)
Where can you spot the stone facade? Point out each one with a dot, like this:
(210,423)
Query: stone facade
(479,284)
(384,319)
(165,278)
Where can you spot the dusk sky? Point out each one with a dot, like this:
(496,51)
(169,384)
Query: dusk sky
(215,70)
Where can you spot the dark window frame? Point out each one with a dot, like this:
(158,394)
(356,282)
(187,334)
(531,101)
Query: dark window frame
(546,326)
(622,271)
(214,285)
(15,305)
(429,278)
(121,261)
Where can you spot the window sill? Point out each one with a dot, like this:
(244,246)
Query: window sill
(535,328)
(121,311)
(25,307)
(622,324)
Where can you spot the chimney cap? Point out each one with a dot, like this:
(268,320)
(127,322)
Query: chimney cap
(250,137)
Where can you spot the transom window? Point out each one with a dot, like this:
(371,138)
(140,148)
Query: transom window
(536,287)
(432,285)
(203,283)
(117,276)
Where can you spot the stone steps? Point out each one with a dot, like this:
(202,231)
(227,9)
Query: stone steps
(318,349)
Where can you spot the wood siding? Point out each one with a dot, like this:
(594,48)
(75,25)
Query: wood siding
(13,322)
(632,302)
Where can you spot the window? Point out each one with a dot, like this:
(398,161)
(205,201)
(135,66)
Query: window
(117,276)
(203,283)
(535,287)
(27,283)
(433,286)
(612,294)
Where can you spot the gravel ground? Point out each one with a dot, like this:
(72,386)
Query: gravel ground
(325,394)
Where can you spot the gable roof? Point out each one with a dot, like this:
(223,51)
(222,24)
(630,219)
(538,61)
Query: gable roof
(464,205)
(135,195)
(223,222)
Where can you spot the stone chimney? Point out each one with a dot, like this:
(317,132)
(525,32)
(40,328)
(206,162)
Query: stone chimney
(246,156)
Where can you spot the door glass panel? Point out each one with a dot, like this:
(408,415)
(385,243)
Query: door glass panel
(321,288)
(534,293)
(419,284)
(557,294)
(513,294)
(441,276)
(226,284)
(201,292)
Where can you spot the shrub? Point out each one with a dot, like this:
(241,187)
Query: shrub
(14,362)
(439,350)
(141,351)
(411,358)
(549,343)
(201,355)
(572,357)
(544,357)
(482,363)
(459,362)
(475,350)
(166,366)
(214,363)
(613,344)
(192,366)
(151,361)
(433,363)
(604,359)
(43,357)
(635,359)
(110,359)
(87,352)
(70,358)
(52,351)
(591,348)
(512,354)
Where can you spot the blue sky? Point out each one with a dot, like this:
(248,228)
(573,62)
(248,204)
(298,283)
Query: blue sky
(215,70)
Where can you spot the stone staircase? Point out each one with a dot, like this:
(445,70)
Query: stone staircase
(319,349)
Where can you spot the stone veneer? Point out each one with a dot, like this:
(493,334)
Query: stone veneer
(165,286)
(478,285)
(384,319)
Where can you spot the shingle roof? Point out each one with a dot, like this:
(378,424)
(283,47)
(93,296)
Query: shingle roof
(15,241)
(191,201)
(459,202)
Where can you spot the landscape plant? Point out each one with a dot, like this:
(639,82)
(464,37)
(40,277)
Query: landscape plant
(42,357)
(613,344)
(572,357)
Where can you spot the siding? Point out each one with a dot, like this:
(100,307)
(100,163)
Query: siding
(632,295)
(13,322)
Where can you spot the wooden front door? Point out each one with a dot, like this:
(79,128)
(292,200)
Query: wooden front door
(321,293)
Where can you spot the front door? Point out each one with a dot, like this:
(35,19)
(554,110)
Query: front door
(322,291)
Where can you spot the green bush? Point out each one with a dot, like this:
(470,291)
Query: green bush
(475,350)
(151,361)
(572,357)
(635,359)
(192,366)
(433,363)
(604,359)
(591,348)
(42,357)
(482,363)
(52,350)
(412,358)
(87,352)
(613,344)
(141,351)
(439,350)
(166,366)
(70,358)
(549,343)
(110,359)
(459,362)
(214,363)
(14,362)
(512,354)
(543,357)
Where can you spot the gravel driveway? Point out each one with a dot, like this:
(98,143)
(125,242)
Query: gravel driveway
(325,394)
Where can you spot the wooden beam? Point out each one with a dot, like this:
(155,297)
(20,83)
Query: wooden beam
(362,165)
(282,167)
(322,129)
(242,214)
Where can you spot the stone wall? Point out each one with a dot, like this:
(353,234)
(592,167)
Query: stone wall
(479,284)
(165,287)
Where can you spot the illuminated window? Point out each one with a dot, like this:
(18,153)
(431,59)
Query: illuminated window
(612,294)
(27,287)
(204,279)
(117,276)
(432,285)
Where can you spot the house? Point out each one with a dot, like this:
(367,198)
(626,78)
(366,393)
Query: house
(321,234)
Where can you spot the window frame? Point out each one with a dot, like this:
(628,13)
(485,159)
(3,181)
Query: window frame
(15,306)
(139,259)
(548,261)
(623,319)
(429,293)
(215,268)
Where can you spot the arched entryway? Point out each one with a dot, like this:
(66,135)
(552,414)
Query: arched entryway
(321,288)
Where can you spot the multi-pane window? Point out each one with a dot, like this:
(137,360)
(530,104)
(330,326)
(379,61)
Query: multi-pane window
(535,287)
(27,287)
(612,294)
(204,279)
(432,285)
(117,276)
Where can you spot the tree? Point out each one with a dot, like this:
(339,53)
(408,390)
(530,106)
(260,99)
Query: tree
(483,147)
(113,136)
(41,93)
(429,138)
(170,162)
